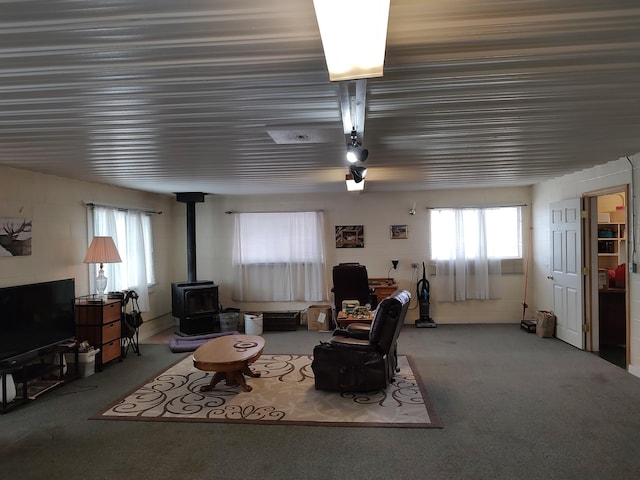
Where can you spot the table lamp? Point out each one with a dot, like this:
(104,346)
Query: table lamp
(102,250)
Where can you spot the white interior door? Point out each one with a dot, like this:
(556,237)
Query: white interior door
(566,270)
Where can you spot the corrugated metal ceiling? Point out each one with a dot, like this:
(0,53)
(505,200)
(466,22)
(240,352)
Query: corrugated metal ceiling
(171,96)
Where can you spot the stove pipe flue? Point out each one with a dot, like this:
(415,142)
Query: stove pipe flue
(190,199)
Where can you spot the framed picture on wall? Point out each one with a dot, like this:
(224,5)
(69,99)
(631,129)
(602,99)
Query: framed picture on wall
(398,232)
(15,237)
(349,236)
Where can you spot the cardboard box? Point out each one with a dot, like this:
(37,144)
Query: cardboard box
(319,317)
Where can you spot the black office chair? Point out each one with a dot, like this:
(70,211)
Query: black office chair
(351,282)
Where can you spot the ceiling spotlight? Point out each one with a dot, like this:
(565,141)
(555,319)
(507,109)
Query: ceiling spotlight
(352,186)
(355,152)
(358,173)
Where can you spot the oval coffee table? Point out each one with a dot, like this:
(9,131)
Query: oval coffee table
(229,356)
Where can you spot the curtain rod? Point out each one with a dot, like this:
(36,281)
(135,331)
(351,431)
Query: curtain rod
(232,212)
(121,207)
(481,206)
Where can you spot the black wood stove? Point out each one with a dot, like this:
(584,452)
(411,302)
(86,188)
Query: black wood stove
(194,303)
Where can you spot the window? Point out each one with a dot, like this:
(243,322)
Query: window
(132,233)
(497,230)
(279,257)
(468,246)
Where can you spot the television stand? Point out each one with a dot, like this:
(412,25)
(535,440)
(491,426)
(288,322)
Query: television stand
(35,375)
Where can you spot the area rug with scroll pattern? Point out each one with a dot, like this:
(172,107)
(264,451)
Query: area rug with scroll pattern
(283,394)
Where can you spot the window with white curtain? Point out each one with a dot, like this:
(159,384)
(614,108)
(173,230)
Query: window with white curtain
(279,256)
(468,245)
(132,233)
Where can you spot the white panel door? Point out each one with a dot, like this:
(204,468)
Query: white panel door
(566,270)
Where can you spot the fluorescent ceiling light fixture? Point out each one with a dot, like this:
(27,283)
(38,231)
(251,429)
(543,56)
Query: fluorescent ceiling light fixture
(352,186)
(354,36)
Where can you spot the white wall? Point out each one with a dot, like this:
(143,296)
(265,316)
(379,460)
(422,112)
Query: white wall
(611,174)
(60,238)
(59,231)
(377,212)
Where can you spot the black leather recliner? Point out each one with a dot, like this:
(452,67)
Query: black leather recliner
(362,360)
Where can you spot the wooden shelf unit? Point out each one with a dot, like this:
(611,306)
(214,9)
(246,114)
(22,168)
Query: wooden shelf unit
(611,244)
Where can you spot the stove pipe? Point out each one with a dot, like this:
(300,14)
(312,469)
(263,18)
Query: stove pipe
(190,199)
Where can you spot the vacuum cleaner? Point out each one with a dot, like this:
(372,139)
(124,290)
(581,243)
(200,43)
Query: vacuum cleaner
(425,321)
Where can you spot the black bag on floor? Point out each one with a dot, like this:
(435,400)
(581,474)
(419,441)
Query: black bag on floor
(132,320)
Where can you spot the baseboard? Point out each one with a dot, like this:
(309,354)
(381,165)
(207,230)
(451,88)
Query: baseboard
(634,370)
(156,325)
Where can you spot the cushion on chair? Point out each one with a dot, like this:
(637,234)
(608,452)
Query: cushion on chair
(350,342)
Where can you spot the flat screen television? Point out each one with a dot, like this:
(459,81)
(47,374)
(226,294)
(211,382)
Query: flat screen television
(34,317)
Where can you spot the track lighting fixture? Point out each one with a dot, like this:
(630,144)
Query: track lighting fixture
(355,152)
(358,173)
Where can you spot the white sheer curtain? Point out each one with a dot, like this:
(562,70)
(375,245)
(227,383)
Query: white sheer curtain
(279,257)
(127,228)
(466,266)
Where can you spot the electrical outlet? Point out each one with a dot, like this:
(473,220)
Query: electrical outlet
(414,265)
(633,267)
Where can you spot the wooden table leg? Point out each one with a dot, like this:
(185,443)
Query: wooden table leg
(217,377)
(238,379)
(233,378)
(247,371)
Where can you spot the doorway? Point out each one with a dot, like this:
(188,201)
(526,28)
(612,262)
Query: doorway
(608,293)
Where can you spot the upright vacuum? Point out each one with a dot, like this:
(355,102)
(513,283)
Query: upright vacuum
(425,321)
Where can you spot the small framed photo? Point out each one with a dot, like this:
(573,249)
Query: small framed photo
(398,232)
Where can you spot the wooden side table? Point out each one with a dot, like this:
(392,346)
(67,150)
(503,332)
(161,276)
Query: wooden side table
(383,287)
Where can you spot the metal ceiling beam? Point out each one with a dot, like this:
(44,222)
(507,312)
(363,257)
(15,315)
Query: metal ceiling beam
(353,97)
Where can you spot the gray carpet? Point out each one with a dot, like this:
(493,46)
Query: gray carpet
(515,406)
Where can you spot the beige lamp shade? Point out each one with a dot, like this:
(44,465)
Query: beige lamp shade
(102,250)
